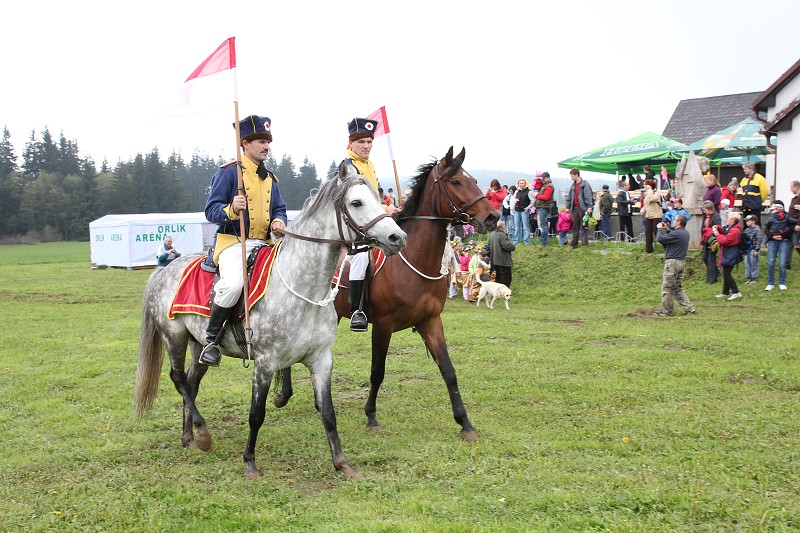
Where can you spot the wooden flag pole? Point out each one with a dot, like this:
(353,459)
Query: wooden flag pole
(397,183)
(242,234)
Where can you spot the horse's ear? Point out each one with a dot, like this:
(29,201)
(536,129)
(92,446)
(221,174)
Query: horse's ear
(448,158)
(460,157)
(344,170)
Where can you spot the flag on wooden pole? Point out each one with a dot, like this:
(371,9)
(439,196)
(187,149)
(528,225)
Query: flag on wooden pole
(383,129)
(222,59)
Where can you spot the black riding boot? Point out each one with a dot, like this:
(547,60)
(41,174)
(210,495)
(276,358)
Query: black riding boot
(358,320)
(210,355)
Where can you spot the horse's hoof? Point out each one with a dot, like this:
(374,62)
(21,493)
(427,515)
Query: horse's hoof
(469,436)
(203,440)
(349,472)
(252,474)
(187,442)
(373,428)
(280,400)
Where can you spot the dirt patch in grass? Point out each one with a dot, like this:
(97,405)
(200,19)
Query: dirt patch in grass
(569,321)
(309,488)
(642,313)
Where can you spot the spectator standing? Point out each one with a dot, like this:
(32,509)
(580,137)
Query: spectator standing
(756,238)
(652,213)
(729,192)
(710,220)
(676,244)
(794,212)
(500,248)
(451,262)
(496,194)
(713,192)
(724,211)
(755,191)
(729,255)
(522,212)
(579,201)
(780,228)
(544,201)
(649,174)
(564,224)
(624,210)
(506,213)
(606,207)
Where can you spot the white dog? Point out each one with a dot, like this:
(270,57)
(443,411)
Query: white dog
(490,289)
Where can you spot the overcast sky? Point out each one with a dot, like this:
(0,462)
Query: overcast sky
(520,84)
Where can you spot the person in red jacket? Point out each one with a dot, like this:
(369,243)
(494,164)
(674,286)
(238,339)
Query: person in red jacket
(729,256)
(544,201)
(495,194)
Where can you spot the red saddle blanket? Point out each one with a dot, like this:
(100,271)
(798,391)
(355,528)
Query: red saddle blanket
(379,258)
(194,287)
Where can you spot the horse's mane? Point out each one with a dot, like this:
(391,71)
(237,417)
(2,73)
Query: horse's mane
(417,186)
(329,194)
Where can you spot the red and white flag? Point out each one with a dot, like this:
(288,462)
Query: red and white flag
(383,127)
(223,59)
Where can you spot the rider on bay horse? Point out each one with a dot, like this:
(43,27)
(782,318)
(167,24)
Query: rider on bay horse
(362,133)
(264,212)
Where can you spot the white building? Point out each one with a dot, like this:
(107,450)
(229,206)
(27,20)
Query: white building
(778,108)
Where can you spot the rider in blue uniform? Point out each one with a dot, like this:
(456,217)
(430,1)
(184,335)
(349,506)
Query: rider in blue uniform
(264,211)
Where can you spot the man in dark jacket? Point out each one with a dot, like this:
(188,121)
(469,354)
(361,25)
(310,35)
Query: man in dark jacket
(624,210)
(606,207)
(676,243)
(500,248)
(579,201)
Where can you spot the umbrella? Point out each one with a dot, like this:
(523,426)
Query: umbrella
(739,140)
(646,149)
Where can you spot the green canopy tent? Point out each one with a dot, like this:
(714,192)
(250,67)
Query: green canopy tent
(630,155)
(741,140)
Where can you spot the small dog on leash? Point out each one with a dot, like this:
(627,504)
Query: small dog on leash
(490,291)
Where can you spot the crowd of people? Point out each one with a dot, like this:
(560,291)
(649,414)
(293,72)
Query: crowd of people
(732,229)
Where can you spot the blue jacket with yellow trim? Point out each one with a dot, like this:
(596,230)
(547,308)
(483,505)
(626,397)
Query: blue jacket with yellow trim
(224,187)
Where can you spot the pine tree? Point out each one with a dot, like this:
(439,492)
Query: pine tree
(307,180)
(8,159)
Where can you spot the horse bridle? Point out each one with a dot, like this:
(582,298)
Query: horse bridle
(353,246)
(460,216)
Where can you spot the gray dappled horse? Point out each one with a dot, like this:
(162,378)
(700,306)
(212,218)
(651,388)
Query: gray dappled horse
(290,324)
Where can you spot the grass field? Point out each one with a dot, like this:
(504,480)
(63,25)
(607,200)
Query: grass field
(592,415)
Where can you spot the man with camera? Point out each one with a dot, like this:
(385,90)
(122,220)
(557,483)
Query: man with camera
(676,243)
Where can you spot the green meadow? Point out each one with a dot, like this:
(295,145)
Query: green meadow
(592,415)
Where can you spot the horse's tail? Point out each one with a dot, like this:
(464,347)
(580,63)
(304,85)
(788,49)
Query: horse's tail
(148,370)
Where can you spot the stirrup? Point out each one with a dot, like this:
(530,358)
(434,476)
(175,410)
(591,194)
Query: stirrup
(358,321)
(210,355)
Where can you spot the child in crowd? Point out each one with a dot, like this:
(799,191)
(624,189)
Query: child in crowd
(675,210)
(756,236)
(564,224)
(724,211)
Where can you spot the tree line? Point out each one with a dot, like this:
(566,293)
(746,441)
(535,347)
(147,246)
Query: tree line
(52,193)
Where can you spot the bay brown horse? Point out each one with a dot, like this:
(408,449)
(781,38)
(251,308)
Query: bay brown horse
(409,291)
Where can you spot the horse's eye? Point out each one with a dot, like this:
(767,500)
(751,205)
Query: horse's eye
(456,182)
(356,203)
